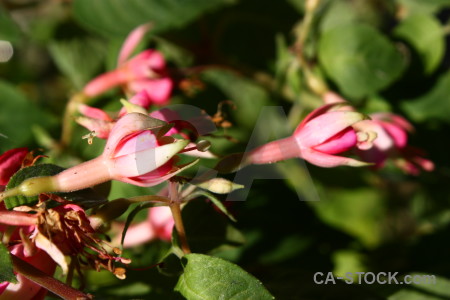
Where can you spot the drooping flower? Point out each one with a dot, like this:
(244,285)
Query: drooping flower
(136,152)
(47,237)
(391,140)
(25,288)
(145,71)
(19,226)
(102,122)
(196,122)
(319,137)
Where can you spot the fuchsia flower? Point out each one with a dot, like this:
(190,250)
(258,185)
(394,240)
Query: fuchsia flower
(196,123)
(25,288)
(47,237)
(391,141)
(102,122)
(136,152)
(321,135)
(10,163)
(144,72)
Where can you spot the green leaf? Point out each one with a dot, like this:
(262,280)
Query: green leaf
(6,269)
(207,277)
(17,116)
(425,34)
(9,30)
(86,198)
(119,17)
(433,105)
(338,13)
(78,59)
(359,59)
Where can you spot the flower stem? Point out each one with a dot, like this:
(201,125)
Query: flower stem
(67,124)
(46,281)
(175,207)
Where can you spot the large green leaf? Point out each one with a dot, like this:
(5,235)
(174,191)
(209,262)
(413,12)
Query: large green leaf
(207,277)
(17,115)
(433,105)
(425,34)
(6,269)
(119,17)
(359,59)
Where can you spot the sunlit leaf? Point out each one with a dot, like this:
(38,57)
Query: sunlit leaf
(359,59)
(207,277)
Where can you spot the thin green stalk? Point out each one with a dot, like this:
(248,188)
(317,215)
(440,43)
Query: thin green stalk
(175,208)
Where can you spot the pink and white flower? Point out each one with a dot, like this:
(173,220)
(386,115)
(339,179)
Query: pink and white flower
(136,152)
(391,142)
(319,137)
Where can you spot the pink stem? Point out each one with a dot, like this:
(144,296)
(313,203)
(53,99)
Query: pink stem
(274,151)
(87,174)
(17,218)
(46,281)
(104,82)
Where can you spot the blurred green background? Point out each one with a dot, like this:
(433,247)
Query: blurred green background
(381,55)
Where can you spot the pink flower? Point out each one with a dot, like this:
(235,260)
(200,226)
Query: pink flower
(10,163)
(25,288)
(24,226)
(321,135)
(102,122)
(158,225)
(144,72)
(392,142)
(196,123)
(136,152)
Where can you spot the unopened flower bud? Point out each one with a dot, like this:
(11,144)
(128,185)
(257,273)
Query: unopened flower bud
(220,186)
